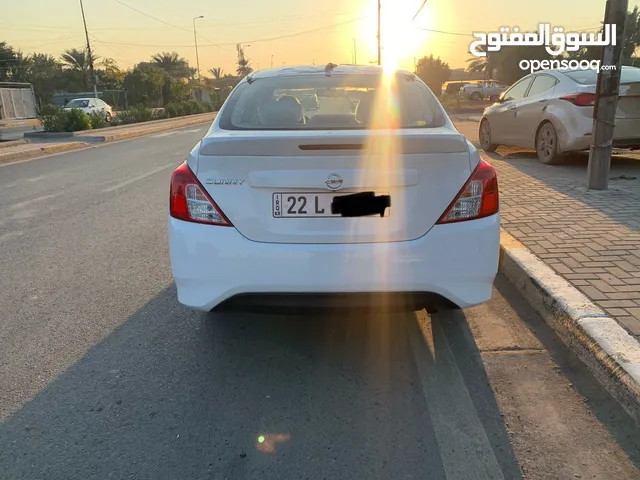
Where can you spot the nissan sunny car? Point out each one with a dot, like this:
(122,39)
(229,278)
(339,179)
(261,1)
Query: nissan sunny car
(279,206)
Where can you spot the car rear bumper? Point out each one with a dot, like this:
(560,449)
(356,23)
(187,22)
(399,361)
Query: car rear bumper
(217,267)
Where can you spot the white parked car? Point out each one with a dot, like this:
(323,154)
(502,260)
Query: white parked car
(551,112)
(345,208)
(91,105)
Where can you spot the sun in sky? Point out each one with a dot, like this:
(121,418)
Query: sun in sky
(402,37)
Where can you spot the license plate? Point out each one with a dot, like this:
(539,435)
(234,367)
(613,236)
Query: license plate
(305,205)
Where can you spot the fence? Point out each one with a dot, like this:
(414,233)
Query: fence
(17,101)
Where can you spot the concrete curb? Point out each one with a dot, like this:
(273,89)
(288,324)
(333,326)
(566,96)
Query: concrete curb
(86,141)
(608,350)
(12,143)
(40,152)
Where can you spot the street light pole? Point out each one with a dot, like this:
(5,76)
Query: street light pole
(355,57)
(379,48)
(271,61)
(607,92)
(93,73)
(195,39)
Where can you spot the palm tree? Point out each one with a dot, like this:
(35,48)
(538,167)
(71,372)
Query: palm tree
(243,69)
(631,33)
(79,63)
(216,72)
(172,63)
(485,65)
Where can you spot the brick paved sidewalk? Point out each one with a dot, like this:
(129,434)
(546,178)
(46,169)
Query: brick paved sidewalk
(590,238)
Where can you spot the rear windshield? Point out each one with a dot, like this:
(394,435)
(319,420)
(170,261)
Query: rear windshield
(345,102)
(78,103)
(590,77)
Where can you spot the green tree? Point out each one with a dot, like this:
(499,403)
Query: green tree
(244,68)
(110,75)
(8,63)
(44,72)
(77,66)
(434,72)
(144,84)
(485,65)
(216,72)
(176,68)
(631,34)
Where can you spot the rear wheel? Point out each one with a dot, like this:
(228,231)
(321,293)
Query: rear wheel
(547,144)
(494,98)
(108,117)
(475,96)
(485,136)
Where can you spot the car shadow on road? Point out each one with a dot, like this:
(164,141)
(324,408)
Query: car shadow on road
(608,412)
(179,394)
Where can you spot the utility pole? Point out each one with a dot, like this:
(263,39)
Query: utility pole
(607,92)
(271,61)
(379,48)
(195,39)
(93,73)
(355,56)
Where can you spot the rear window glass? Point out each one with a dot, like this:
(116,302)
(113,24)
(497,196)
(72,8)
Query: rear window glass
(78,103)
(590,77)
(344,102)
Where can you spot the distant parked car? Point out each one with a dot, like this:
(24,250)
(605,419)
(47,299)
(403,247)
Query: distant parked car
(490,89)
(552,112)
(310,101)
(91,105)
(453,88)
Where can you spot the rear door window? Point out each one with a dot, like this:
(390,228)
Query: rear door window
(518,90)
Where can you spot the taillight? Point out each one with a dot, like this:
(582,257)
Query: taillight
(581,99)
(478,198)
(189,201)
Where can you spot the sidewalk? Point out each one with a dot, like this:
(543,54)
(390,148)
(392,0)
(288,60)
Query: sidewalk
(590,238)
(37,147)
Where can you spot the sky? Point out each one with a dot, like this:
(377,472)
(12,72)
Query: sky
(279,32)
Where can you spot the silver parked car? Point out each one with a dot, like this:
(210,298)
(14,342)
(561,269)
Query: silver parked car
(551,111)
(490,89)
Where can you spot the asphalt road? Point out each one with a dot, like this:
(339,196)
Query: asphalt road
(104,375)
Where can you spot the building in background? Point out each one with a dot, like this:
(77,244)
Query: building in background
(17,101)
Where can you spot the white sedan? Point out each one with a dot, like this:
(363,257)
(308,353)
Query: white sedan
(387,205)
(551,111)
(91,105)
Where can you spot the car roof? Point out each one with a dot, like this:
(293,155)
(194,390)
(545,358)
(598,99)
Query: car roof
(321,69)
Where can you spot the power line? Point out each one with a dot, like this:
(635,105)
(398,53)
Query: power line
(151,16)
(259,40)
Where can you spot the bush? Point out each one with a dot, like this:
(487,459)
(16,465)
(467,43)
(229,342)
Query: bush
(52,117)
(172,110)
(77,120)
(56,119)
(190,107)
(98,120)
(136,114)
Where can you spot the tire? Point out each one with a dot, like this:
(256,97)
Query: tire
(484,134)
(547,144)
(108,117)
(475,96)
(494,98)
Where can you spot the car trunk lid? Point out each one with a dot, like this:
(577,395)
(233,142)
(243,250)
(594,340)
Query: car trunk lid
(250,174)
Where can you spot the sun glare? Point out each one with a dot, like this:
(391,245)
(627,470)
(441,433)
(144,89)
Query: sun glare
(401,37)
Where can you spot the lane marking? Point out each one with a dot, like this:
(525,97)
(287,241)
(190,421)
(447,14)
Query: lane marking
(463,444)
(26,203)
(139,177)
(177,132)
